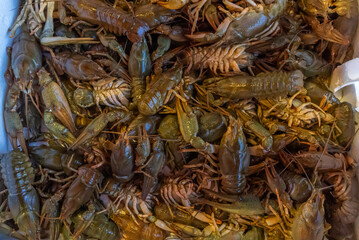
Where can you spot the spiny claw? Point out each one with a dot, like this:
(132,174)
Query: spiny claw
(187,229)
(55,41)
(327,31)
(275,182)
(173,4)
(148,183)
(203,37)
(98,124)
(154,167)
(175,33)
(49,24)
(110,42)
(14,130)
(337,37)
(143,148)
(258,129)
(56,100)
(94,128)
(57,129)
(13,125)
(246,205)
(188,124)
(208,37)
(232,6)
(221,196)
(187,120)
(204,217)
(212,16)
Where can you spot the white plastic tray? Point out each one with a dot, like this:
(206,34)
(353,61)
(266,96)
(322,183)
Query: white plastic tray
(8,11)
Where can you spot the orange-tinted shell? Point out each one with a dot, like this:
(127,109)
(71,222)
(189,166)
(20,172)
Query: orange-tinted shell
(133,231)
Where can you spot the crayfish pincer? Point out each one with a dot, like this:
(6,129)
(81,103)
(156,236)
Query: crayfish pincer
(153,167)
(234,158)
(55,99)
(98,124)
(13,125)
(23,200)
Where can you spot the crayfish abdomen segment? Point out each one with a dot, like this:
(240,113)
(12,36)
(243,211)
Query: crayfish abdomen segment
(233,184)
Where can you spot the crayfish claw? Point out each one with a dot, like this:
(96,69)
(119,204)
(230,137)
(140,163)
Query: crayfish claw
(275,182)
(153,168)
(204,38)
(173,4)
(212,17)
(14,130)
(94,128)
(245,205)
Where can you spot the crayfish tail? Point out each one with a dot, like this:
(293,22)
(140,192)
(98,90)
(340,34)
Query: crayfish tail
(233,184)
(148,183)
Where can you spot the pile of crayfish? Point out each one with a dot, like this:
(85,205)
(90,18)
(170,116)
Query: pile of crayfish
(179,119)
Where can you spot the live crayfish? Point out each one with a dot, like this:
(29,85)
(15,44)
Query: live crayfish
(26,60)
(242,87)
(114,20)
(179,120)
(95,225)
(139,68)
(233,159)
(108,92)
(130,199)
(157,93)
(23,200)
(81,190)
(131,230)
(311,216)
(234,29)
(225,59)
